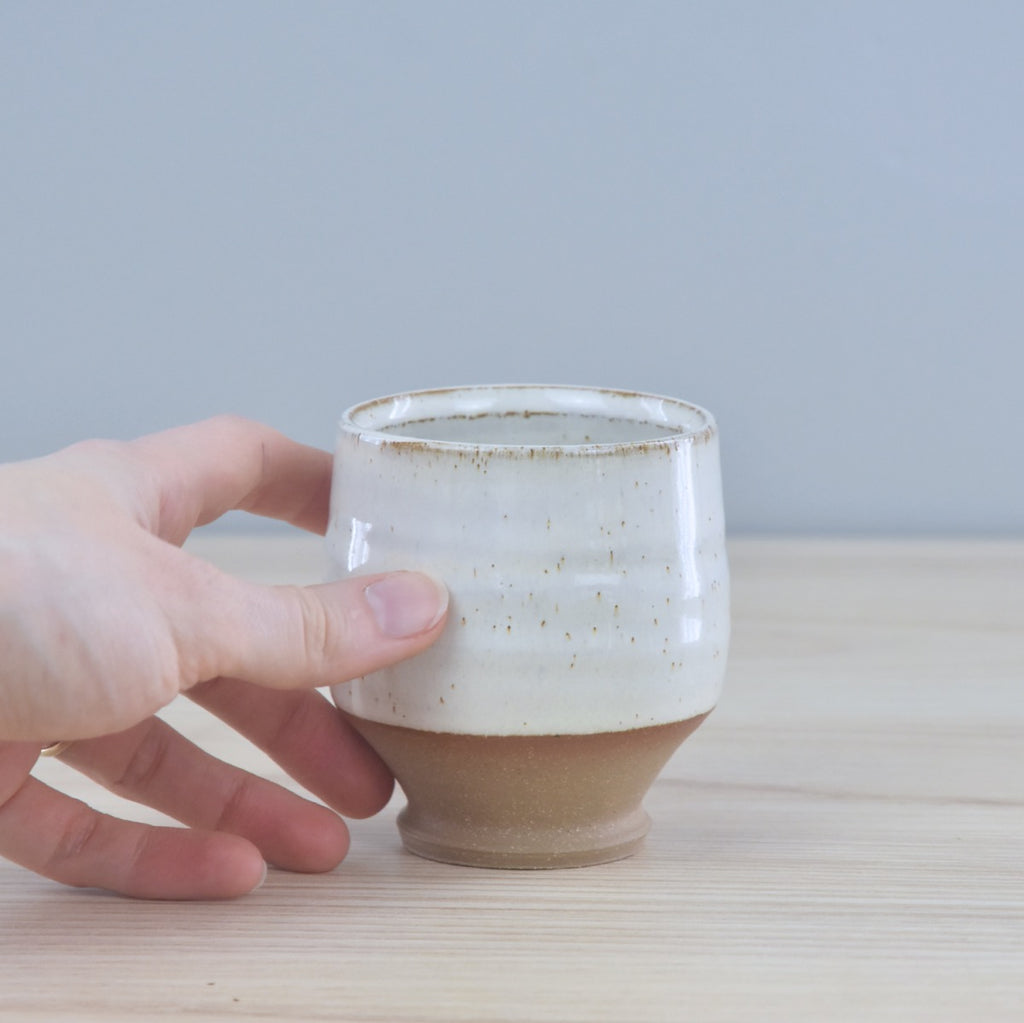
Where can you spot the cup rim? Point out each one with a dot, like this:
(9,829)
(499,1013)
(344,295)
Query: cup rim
(375,420)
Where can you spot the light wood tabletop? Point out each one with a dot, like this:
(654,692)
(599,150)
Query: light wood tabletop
(843,839)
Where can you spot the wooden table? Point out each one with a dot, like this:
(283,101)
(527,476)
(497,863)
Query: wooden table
(842,840)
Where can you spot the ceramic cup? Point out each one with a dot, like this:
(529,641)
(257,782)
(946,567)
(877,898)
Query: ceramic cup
(580,533)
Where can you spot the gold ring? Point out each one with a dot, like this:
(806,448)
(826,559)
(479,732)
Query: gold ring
(54,749)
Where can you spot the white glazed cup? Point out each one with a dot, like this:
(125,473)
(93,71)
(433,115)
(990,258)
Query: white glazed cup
(580,532)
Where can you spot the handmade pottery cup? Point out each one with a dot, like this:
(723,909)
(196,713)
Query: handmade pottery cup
(580,533)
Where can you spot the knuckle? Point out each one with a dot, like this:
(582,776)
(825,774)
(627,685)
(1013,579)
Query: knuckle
(77,834)
(235,801)
(230,422)
(336,636)
(144,764)
(94,448)
(322,632)
(299,718)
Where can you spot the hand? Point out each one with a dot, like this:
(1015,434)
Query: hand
(104,620)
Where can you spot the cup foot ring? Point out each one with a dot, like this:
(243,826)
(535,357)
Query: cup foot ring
(504,852)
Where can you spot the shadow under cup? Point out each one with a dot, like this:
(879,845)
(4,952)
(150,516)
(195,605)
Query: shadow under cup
(581,535)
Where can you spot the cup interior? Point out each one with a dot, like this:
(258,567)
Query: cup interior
(528,416)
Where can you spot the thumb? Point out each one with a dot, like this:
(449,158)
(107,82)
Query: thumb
(287,637)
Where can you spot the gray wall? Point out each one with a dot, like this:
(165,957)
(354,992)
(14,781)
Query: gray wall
(805,216)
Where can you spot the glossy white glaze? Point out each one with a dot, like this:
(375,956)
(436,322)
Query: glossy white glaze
(581,535)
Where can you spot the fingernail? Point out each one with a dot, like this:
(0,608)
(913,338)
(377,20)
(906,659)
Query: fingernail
(263,878)
(406,603)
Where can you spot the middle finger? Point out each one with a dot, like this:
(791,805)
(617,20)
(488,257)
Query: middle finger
(307,735)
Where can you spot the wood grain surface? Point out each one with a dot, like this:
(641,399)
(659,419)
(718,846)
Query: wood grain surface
(843,839)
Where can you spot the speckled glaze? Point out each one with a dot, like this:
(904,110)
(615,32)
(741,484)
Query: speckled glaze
(580,533)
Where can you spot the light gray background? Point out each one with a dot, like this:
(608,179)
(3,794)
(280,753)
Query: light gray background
(805,216)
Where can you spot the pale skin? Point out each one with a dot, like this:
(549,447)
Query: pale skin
(104,620)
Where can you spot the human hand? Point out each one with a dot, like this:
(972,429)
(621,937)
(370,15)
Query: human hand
(104,620)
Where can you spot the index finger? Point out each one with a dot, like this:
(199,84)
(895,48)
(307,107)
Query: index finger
(229,463)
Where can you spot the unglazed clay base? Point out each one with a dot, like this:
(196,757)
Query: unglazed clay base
(524,801)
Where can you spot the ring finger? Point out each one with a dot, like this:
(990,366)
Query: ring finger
(154,765)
